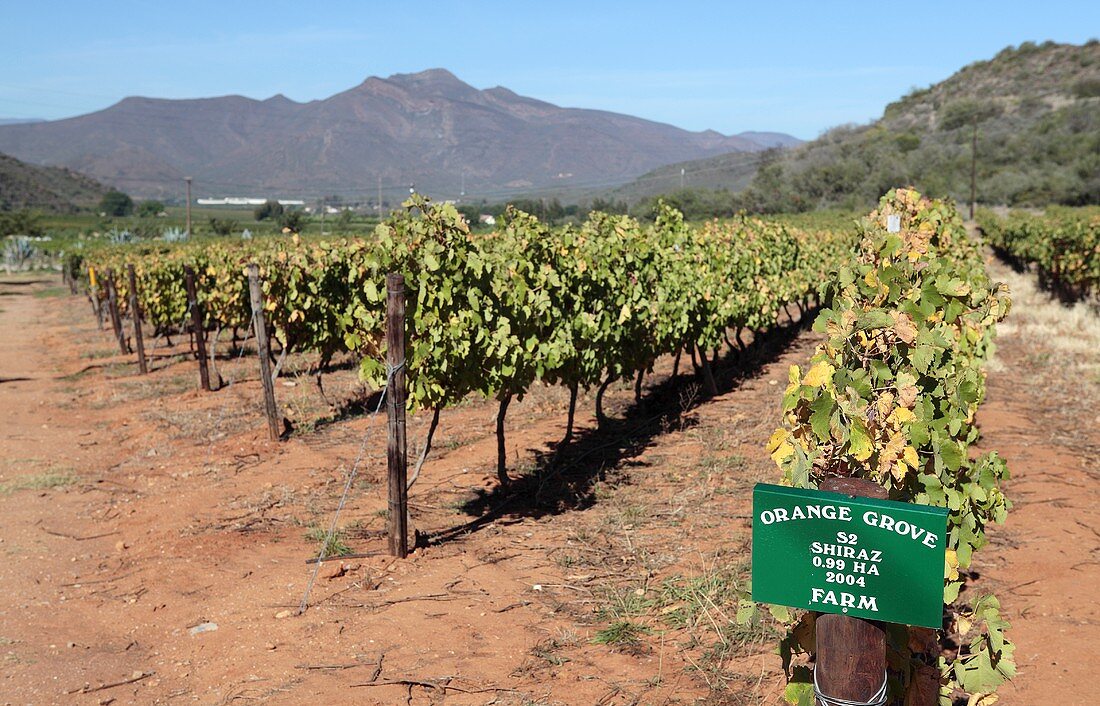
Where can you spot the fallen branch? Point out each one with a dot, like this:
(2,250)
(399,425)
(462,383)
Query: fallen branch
(73,536)
(339,557)
(443,684)
(410,599)
(88,688)
(93,581)
(509,607)
(413,682)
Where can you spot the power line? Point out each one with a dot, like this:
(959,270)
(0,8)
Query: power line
(397,190)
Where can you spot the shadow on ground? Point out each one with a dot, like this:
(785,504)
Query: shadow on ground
(564,476)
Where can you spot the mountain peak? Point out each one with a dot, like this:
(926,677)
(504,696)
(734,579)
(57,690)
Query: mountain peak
(437,74)
(427,83)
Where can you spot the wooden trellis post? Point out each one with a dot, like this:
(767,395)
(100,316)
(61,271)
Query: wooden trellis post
(135,311)
(196,326)
(93,294)
(116,320)
(396,451)
(262,344)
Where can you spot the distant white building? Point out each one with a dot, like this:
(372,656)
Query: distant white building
(246,201)
(487,219)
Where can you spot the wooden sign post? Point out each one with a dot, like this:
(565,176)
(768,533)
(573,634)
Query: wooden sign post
(851,652)
(196,325)
(262,344)
(116,320)
(396,458)
(135,311)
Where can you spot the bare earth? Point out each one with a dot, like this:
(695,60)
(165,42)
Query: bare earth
(133,509)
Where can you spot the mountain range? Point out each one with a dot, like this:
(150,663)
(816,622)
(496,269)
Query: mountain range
(429,129)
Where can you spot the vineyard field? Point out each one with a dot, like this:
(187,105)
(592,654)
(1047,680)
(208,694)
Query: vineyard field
(600,356)
(643,367)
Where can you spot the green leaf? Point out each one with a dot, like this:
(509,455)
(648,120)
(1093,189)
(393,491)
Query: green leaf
(821,419)
(875,318)
(859,441)
(799,694)
(952,455)
(780,613)
(922,358)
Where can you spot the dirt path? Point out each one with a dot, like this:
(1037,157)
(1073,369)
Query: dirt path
(135,509)
(1042,413)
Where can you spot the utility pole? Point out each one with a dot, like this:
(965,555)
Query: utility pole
(973,168)
(322,215)
(188,180)
(379,197)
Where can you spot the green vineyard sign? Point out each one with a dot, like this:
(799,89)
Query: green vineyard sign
(861,557)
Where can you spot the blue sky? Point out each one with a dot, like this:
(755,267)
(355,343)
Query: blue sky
(797,67)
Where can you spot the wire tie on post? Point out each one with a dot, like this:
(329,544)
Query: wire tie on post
(391,370)
(879,698)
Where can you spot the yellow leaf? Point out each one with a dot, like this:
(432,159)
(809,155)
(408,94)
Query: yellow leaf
(951,565)
(819,374)
(902,415)
(794,376)
(885,403)
(909,455)
(981,699)
(889,456)
(778,437)
(782,453)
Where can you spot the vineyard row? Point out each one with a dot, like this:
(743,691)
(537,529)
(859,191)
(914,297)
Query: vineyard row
(492,314)
(1063,245)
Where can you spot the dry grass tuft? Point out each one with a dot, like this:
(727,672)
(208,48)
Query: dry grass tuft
(57,478)
(1063,340)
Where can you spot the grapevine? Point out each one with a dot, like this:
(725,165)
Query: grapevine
(891,396)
